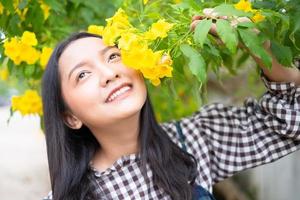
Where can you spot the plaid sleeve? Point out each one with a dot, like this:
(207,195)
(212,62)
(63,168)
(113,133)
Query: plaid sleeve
(259,132)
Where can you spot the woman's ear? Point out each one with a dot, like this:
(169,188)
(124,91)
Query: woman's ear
(72,121)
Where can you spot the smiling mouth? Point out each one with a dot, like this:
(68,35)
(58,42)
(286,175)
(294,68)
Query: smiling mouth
(120,93)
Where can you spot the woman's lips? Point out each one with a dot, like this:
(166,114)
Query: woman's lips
(127,90)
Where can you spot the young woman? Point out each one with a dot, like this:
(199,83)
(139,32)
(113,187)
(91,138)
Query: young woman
(103,141)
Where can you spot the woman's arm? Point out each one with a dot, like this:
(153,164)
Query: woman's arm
(278,72)
(228,139)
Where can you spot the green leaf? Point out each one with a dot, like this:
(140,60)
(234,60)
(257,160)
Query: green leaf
(10,66)
(246,24)
(282,53)
(213,57)
(12,24)
(295,28)
(201,31)
(253,42)
(179,63)
(29,71)
(22,4)
(171,89)
(55,5)
(228,62)
(8,4)
(196,62)
(242,59)
(194,5)
(229,10)
(227,35)
(35,17)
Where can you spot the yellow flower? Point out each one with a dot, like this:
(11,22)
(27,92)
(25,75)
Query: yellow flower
(94,29)
(12,49)
(110,34)
(243,5)
(29,54)
(150,73)
(177,1)
(1,8)
(4,74)
(166,60)
(258,17)
(19,51)
(140,57)
(45,8)
(116,25)
(155,81)
(164,68)
(28,103)
(129,39)
(145,2)
(158,29)
(29,38)
(15,102)
(120,19)
(45,55)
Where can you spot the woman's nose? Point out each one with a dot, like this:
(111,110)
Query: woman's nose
(108,74)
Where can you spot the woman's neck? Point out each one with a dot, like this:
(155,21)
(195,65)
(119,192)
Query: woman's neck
(116,141)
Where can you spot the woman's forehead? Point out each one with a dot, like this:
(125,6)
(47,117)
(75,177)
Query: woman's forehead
(83,46)
(80,50)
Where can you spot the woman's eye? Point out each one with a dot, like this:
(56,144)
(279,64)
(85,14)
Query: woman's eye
(113,56)
(81,75)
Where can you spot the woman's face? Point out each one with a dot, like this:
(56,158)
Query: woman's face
(97,88)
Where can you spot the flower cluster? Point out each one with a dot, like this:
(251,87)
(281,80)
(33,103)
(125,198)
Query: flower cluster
(245,5)
(28,103)
(23,50)
(135,45)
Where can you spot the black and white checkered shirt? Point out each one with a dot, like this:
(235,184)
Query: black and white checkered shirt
(223,139)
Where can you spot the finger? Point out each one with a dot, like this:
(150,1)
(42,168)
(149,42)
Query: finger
(243,19)
(223,17)
(213,29)
(235,22)
(194,24)
(197,17)
(208,11)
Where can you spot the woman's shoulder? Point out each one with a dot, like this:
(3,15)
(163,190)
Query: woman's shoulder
(186,122)
(176,129)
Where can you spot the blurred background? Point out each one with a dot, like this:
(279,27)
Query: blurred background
(23,159)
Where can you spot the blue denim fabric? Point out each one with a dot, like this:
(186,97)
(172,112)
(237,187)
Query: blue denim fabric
(199,193)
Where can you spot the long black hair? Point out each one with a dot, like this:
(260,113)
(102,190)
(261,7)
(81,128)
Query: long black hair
(70,151)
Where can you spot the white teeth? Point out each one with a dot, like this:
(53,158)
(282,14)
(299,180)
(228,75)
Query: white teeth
(119,92)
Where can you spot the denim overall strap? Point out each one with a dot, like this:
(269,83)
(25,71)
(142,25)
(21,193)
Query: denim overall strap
(199,193)
(181,136)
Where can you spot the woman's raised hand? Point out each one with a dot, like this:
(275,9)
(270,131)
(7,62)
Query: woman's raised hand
(209,13)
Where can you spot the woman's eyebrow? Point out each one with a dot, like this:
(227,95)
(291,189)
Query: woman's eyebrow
(103,51)
(76,66)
